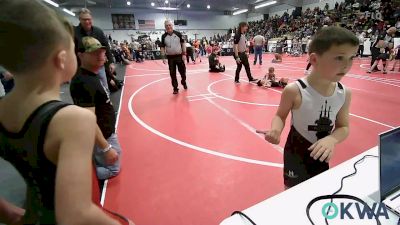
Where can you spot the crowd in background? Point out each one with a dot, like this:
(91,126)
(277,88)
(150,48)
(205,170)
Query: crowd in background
(366,18)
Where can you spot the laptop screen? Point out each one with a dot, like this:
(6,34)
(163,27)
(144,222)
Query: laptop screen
(389,147)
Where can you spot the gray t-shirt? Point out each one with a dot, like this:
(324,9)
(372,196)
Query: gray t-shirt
(259,40)
(240,40)
(172,43)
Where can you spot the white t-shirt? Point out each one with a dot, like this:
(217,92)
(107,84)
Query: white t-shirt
(259,40)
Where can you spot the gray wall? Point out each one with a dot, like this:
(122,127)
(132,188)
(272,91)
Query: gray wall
(204,23)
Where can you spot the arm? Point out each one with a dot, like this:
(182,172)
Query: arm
(288,97)
(323,148)
(111,155)
(236,39)
(9,213)
(99,138)
(104,41)
(74,129)
(183,45)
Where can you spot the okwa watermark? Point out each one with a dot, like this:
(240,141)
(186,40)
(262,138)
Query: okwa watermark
(349,210)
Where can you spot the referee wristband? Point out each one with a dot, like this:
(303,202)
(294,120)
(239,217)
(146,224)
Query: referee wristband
(107,149)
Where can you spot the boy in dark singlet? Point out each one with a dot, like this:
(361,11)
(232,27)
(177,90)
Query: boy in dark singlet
(49,142)
(319,105)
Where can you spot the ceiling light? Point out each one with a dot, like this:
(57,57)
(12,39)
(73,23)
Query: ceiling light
(208,6)
(128,3)
(69,12)
(188,5)
(51,3)
(167,8)
(152,4)
(240,12)
(264,4)
(166,1)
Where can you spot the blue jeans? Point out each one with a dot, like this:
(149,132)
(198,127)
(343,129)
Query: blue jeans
(103,79)
(103,170)
(258,52)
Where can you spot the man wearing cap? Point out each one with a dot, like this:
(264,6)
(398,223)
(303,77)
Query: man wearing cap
(173,46)
(88,92)
(86,28)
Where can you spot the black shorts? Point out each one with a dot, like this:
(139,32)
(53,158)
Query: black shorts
(383,56)
(298,165)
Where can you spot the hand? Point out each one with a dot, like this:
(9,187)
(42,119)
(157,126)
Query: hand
(164,61)
(238,60)
(112,67)
(323,149)
(130,222)
(111,156)
(272,136)
(112,83)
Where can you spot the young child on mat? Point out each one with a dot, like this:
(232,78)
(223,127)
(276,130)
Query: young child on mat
(272,79)
(269,80)
(277,59)
(49,142)
(213,61)
(319,105)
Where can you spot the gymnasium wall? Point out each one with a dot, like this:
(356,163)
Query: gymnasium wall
(204,23)
(319,3)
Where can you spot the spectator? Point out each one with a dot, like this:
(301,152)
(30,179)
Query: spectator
(86,28)
(213,61)
(87,91)
(259,42)
(56,166)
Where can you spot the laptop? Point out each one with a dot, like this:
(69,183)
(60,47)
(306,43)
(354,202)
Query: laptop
(389,175)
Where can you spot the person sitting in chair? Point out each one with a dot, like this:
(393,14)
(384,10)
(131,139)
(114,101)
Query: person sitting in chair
(213,61)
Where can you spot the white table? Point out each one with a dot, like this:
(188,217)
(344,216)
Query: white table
(289,207)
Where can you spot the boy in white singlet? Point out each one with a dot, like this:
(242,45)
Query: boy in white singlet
(319,105)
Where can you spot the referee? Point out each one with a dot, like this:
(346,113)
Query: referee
(173,46)
(240,56)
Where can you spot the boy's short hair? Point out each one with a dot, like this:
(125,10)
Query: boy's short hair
(325,38)
(271,68)
(29,32)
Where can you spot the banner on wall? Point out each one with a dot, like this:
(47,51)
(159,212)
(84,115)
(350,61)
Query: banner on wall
(147,24)
(123,21)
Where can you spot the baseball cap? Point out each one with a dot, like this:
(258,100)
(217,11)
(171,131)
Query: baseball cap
(90,44)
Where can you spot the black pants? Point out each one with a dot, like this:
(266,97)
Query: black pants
(189,53)
(374,54)
(298,165)
(303,48)
(360,51)
(215,69)
(173,62)
(244,62)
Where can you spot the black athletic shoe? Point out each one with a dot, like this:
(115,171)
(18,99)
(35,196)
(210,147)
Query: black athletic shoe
(236,81)
(176,92)
(254,63)
(185,86)
(253,80)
